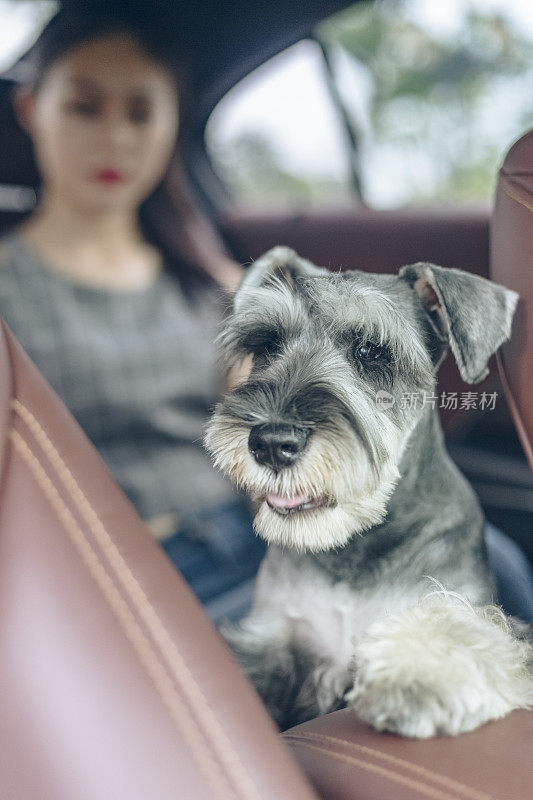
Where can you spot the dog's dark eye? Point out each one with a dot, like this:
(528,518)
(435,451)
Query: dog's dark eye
(266,349)
(370,352)
(263,344)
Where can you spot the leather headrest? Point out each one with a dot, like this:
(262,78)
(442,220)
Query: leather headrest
(519,160)
(511,264)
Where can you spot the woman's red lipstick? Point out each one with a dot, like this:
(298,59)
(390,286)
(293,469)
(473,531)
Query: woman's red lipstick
(109,176)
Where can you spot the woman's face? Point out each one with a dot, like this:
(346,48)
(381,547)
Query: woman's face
(103,124)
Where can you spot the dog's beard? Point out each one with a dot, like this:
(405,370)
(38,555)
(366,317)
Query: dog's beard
(335,470)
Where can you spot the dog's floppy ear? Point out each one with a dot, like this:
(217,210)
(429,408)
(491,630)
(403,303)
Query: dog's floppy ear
(278,264)
(471,313)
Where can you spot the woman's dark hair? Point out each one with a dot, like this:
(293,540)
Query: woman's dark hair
(169,217)
(70,28)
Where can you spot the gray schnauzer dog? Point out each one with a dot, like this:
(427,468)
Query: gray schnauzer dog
(375,591)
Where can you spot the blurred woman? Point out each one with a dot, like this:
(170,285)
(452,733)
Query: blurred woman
(117,299)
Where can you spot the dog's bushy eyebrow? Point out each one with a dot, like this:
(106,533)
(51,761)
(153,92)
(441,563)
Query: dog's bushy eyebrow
(250,338)
(271,312)
(245,334)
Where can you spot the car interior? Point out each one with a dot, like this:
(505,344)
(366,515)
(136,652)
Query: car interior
(115,683)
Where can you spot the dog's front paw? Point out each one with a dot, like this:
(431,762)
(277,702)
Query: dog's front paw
(440,668)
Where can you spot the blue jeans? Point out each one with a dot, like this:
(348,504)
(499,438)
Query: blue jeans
(512,570)
(218,553)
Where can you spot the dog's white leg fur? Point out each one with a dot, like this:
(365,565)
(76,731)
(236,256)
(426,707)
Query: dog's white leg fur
(441,667)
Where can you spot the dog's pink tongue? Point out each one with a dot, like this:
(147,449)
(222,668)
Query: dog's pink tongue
(280,501)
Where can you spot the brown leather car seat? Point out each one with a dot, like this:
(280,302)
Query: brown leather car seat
(114,685)
(512,265)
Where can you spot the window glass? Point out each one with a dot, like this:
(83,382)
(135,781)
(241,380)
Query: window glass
(434,93)
(443,90)
(277,138)
(21,21)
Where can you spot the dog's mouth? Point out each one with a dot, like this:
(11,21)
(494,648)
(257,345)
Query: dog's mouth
(284,505)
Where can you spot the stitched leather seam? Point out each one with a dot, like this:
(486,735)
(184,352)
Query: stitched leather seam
(517,193)
(428,791)
(176,664)
(174,704)
(450,783)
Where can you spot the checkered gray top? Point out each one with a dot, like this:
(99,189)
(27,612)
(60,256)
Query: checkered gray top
(137,369)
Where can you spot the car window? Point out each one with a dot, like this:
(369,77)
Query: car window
(421,103)
(20,23)
(277,138)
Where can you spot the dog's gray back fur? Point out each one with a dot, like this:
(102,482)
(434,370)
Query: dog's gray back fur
(391,507)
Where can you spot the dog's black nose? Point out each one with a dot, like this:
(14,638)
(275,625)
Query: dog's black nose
(277,446)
